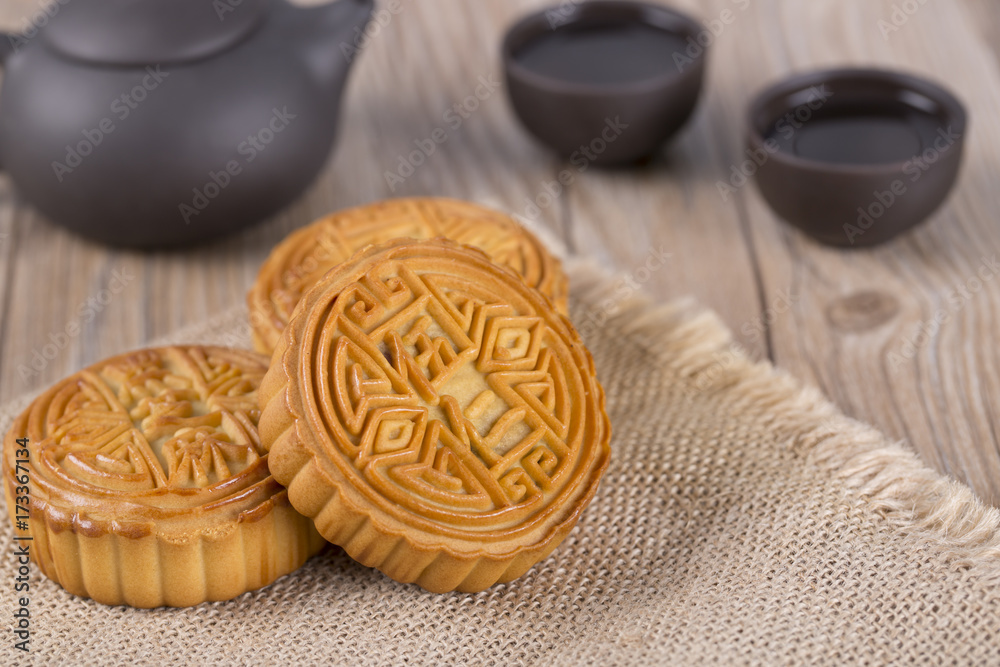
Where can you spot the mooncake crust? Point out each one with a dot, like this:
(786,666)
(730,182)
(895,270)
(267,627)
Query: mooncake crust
(148,485)
(302,258)
(434,416)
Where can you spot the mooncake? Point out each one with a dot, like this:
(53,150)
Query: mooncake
(434,416)
(305,255)
(146,482)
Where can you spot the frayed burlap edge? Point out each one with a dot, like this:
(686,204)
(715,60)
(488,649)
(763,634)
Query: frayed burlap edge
(921,503)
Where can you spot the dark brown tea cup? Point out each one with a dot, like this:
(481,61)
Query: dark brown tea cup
(604,82)
(853,157)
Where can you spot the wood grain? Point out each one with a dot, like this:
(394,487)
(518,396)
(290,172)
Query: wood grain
(838,319)
(864,328)
(985,16)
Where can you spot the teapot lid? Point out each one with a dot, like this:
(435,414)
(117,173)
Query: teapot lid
(143,32)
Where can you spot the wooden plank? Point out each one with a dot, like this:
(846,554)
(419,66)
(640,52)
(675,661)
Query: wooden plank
(626,217)
(985,16)
(851,311)
(850,330)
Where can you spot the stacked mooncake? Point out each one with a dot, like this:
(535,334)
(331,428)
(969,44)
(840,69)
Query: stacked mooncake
(427,406)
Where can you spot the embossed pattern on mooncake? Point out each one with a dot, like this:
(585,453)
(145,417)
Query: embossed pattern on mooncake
(450,407)
(156,454)
(174,419)
(305,255)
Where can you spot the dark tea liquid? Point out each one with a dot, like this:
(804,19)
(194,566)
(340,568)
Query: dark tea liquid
(608,54)
(852,134)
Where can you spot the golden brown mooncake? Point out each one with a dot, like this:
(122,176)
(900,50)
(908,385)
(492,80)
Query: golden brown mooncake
(434,416)
(304,256)
(147,482)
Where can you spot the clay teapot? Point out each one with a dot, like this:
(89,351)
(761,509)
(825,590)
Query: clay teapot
(155,123)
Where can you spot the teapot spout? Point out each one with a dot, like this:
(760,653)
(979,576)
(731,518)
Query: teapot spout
(328,35)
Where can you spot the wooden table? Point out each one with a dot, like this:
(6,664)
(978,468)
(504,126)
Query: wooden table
(856,324)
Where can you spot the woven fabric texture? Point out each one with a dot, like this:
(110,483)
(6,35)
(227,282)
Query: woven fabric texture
(743,520)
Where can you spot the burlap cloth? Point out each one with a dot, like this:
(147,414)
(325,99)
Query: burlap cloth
(742,520)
